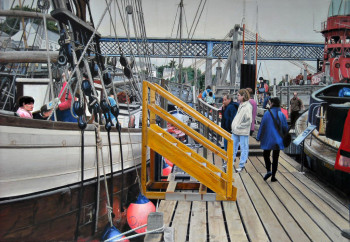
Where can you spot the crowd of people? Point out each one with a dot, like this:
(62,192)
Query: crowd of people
(62,110)
(238,118)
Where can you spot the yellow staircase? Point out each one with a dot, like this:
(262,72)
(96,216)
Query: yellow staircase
(156,139)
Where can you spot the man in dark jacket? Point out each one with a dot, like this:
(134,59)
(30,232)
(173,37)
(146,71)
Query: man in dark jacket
(295,106)
(229,109)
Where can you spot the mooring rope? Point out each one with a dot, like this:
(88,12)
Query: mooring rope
(99,146)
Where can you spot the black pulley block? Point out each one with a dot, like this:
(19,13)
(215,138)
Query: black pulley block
(127,72)
(85,85)
(123,61)
(78,109)
(104,106)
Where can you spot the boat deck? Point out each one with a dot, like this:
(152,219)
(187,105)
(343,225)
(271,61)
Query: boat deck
(295,208)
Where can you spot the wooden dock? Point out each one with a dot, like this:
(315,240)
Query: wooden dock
(295,208)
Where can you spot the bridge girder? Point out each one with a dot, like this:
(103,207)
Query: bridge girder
(170,48)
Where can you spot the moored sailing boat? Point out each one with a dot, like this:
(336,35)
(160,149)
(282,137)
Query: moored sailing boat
(329,106)
(64,181)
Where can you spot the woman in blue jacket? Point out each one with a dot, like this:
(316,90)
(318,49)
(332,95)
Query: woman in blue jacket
(269,137)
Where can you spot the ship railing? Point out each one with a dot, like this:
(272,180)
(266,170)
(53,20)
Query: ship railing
(157,140)
(212,113)
(315,107)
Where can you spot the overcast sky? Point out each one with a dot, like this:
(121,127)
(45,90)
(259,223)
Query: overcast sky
(275,20)
(288,20)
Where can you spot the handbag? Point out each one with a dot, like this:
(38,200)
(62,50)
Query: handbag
(261,90)
(287,138)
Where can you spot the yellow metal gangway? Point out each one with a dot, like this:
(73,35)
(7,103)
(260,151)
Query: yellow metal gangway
(160,141)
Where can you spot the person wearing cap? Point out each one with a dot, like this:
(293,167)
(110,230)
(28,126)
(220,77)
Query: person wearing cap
(241,128)
(26,105)
(261,89)
(43,114)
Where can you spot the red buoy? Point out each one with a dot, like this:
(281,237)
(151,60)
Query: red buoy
(166,169)
(137,213)
(168,162)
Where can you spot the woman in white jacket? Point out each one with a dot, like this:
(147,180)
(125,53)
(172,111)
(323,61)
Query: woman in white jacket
(241,128)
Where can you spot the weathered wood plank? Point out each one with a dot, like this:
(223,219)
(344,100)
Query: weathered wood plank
(321,205)
(302,218)
(255,160)
(234,222)
(202,189)
(249,166)
(287,221)
(252,223)
(286,164)
(171,186)
(180,221)
(316,215)
(198,222)
(329,199)
(291,161)
(273,227)
(216,224)
(167,208)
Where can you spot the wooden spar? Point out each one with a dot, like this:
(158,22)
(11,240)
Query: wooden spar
(16,13)
(27,56)
(24,28)
(243,44)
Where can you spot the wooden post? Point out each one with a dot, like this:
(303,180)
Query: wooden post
(144,137)
(163,102)
(281,95)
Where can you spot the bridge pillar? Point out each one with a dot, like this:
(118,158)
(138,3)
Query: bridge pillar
(208,72)
(208,64)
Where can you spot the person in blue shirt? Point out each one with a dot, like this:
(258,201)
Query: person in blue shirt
(269,137)
(266,99)
(206,92)
(113,103)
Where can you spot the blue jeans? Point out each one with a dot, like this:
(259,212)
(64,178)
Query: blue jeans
(225,144)
(243,141)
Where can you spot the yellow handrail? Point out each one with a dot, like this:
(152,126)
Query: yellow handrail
(150,106)
(189,110)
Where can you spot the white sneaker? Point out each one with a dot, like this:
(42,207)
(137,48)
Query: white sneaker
(239,169)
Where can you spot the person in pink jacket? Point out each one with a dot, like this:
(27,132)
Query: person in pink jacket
(26,105)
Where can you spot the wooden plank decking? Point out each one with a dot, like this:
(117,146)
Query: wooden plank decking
(295,208)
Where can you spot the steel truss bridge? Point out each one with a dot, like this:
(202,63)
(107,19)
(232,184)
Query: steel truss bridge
(170,48)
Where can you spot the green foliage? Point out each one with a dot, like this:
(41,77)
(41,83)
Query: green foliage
(190,74)
(12,24)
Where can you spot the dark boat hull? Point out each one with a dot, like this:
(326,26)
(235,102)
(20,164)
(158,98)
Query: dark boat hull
(52,215)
